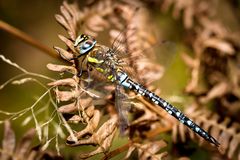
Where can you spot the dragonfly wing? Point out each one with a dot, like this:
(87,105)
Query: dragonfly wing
(121,108)
(142,58)
(118,39)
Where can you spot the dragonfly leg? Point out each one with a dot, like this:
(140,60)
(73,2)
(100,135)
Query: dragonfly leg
(89,69)
(81,69)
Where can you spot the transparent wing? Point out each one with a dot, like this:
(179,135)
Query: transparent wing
(121,108)
(118,39)
(149,59)
(165,53)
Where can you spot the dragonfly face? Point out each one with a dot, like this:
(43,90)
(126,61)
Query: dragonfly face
(84,43)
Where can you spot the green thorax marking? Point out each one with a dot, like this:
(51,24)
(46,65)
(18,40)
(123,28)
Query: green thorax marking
(94,60)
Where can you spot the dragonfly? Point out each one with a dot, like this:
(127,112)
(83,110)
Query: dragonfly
(106,62)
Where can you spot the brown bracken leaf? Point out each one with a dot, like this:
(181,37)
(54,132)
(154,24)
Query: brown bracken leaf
(8,143)
(23,149)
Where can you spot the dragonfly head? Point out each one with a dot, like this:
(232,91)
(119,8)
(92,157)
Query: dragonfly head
(84,43)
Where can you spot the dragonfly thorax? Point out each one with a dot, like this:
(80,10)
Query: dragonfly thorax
(104,61)
(98,56)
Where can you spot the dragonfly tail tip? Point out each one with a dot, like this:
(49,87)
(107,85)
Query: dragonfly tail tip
(214,141)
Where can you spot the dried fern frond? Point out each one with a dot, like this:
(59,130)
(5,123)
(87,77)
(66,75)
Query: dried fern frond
(216,50)
(137,43)
(70,19)
(90,20)
(225,131)
(190,10)
(217,64)
(80,104)
(23,149)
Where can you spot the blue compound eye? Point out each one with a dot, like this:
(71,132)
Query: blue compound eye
(87,46)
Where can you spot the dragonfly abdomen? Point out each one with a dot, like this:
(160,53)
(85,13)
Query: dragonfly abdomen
(125,81)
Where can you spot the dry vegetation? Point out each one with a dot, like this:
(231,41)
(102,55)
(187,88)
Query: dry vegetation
(214,82)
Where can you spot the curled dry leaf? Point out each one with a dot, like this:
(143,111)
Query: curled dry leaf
(217,91)
(64,54)
(222,46)
(68,108)
(61,68)
(70,18)
(68,43)
(91,127)
(64,82)
(67,95)
(102,138)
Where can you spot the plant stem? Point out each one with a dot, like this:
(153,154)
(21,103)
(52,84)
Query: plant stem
(27,39)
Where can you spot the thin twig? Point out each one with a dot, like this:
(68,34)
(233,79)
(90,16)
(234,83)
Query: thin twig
(117,151)
(27,39)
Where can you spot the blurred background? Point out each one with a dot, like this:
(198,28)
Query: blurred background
(36,18)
